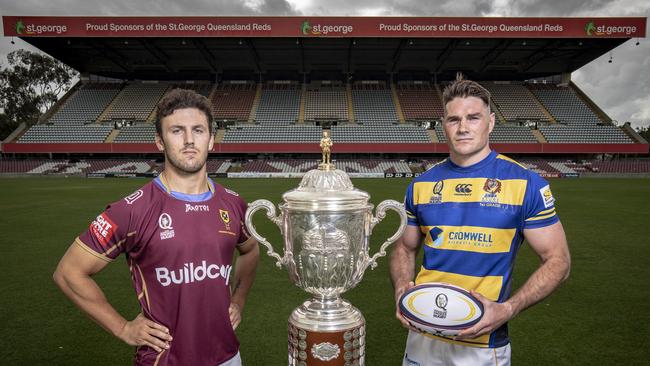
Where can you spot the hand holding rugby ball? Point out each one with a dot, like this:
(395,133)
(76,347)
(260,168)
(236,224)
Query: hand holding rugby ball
(440,308)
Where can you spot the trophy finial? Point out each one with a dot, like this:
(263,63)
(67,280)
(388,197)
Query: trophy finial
(326,147)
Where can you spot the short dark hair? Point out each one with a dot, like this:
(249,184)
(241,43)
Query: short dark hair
(462,88)
(180,99)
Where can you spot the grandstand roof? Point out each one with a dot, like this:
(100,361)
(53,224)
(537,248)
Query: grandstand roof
(259,48)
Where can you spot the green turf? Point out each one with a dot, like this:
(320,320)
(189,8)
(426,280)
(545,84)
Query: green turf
(597,318)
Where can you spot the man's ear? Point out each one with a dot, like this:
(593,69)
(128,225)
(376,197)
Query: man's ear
(160,143)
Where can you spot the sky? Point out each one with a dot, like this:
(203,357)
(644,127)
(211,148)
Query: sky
(621,88)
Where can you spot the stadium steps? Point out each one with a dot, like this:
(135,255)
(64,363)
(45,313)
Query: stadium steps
(398,107)
(303,102)
(111,137)
(348,94)
(538,135)
(256,103)
(152,116)
(594,108)
(541,107)
(432,134)
(17,133)
(218,137)
(213,90)
(109,108)
(497,113)
(629,131)
(60,103)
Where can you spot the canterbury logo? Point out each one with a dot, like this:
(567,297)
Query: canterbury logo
(463,188)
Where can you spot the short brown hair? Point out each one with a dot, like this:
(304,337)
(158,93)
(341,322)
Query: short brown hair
(462,88)
(180,99)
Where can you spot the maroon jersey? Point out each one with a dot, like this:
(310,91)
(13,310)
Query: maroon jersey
(179,252)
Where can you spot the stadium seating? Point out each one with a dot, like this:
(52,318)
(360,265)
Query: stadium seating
(136,133)
(582,134)
(373,104)
(349,166)
(515,101)
(620,166)
(274,134)
(46,133)
(419,101)
(20,166)
(325,102)
(86,104)
(539,166)
(380,134)
(233,101)
(203,88)
(278,105)
(119,166)
(136,101)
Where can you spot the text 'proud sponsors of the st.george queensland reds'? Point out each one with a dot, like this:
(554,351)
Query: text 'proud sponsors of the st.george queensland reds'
(178,27)
(483,28)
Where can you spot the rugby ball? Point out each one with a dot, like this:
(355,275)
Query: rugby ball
(440,308)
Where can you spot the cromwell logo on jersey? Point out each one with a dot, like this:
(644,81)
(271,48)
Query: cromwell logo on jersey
(193,273)
(103,228)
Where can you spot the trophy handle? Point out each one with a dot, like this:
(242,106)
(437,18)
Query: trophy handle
(270,214)
(380,215)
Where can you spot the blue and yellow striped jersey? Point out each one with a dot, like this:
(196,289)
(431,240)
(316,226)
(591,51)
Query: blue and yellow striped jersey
(472,219)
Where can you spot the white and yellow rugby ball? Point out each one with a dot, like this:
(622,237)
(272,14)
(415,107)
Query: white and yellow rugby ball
(440,308)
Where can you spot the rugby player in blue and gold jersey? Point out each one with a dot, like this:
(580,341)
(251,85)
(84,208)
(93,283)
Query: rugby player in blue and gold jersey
(472,212)
(178,234)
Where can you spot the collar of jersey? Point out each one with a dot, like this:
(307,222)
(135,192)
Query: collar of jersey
(481,164)
(186,196)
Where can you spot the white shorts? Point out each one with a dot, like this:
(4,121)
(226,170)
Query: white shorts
(235,361)
(426,351)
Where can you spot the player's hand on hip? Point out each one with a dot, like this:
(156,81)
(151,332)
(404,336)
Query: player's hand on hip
(398,314)
(144,332)
(235,315)
(494,315)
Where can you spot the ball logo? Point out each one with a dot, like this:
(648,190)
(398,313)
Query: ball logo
(441,301)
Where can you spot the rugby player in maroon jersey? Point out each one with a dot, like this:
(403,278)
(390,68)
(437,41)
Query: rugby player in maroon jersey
(178,233)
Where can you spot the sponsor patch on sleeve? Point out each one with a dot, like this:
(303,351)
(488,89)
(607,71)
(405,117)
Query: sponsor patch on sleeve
(103,228)
(547,196)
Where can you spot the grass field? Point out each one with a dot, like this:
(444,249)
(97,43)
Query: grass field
(599,317)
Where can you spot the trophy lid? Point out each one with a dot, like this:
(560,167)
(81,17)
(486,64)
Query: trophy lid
(326,189)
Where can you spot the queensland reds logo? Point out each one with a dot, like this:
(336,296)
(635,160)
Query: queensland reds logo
(492,186)
(165,222)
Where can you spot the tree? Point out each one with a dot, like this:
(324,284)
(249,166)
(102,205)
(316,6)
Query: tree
(644,132)
(29,86)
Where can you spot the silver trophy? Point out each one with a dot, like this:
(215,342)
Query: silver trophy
(326,224)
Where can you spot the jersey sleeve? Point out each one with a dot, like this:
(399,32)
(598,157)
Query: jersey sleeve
(243,232)
(539,206)
(410,207)
(109,234)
